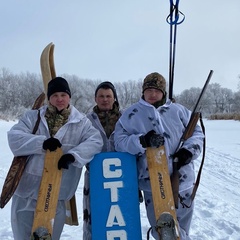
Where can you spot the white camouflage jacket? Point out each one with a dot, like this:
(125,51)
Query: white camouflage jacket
(170,120)
(108,143)
(78,137)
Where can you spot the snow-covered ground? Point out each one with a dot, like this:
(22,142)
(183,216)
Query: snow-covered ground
(217,214)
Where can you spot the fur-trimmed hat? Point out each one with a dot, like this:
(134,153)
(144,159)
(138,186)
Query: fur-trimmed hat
(58,84)
(107,85)
(154,80)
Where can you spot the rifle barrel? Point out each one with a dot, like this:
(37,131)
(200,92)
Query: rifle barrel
(203,90)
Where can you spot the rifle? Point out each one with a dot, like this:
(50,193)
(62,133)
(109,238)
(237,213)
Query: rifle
(195,116)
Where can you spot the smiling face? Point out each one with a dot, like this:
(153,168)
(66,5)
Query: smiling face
(152,95)
(104,99)
(60,100)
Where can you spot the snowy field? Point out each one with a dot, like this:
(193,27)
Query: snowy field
(217,213)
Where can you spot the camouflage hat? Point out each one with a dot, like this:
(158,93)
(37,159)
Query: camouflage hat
(154,80)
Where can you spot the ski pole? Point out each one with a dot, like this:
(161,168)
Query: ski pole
(173,20)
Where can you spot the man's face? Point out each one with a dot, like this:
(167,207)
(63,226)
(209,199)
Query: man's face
(60,100)
(104,99)
(152,95)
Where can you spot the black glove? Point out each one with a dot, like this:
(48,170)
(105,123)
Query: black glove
(65,160)
(152,139)
(51,144)
(184,157)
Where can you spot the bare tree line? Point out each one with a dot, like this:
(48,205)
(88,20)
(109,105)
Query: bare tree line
(19,91)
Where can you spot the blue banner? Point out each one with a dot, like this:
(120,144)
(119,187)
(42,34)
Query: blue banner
(114,198)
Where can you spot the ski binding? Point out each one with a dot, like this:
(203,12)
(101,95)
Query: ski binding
(41,233)
(166,227)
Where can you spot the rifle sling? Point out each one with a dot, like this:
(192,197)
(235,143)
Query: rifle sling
(37,123)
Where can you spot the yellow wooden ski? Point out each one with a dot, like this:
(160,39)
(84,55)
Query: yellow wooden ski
(48,196)
(47,65)
(164,206)
(51,178)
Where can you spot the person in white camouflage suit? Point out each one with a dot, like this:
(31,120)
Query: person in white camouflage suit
(152,122)
(61,125)
(103,117)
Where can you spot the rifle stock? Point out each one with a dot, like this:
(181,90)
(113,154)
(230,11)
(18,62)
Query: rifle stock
(187,134)
(191,126)
(175,175)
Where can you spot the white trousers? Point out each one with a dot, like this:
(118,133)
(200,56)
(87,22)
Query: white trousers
(184,215)
(87,227)
(22,215)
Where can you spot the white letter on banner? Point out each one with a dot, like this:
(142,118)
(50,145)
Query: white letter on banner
(121,234)
(113,186)
(107,173)
(115,213)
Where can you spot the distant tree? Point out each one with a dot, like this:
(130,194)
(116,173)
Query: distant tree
(215,99)
(82,92)
(235,103)
(6,95)
(30,86)
(128,92)
(188,98)
(215,90)
(206,104)
(226,99)
(19,91)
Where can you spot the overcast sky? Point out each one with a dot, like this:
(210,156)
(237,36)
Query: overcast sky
(120,40)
